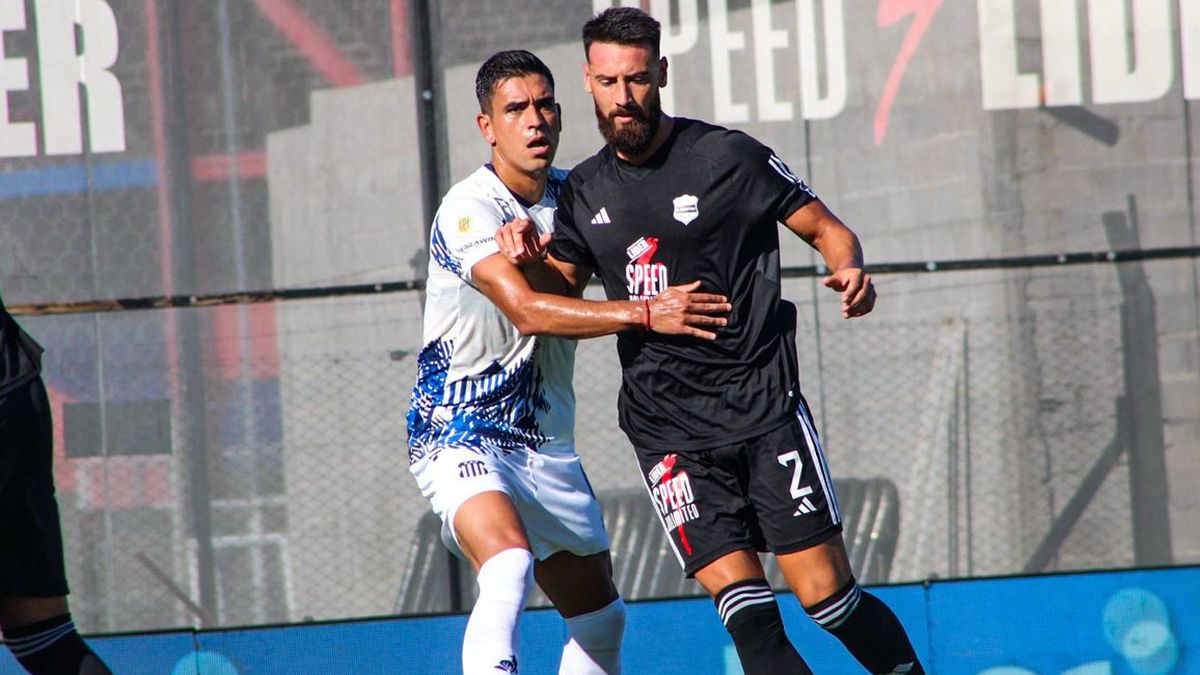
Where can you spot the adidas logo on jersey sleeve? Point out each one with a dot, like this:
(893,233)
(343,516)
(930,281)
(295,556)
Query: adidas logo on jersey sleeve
(601,217)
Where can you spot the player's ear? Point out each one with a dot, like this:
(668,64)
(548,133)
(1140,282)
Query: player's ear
(558,118)
(587,77)
(662,71)
(485,128)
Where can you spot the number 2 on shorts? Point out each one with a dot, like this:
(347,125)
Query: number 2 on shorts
(794,456)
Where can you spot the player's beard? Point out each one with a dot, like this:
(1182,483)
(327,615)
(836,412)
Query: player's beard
(635,136)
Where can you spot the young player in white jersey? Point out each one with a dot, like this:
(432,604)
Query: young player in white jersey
(491,418)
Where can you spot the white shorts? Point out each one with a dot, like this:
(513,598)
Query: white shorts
(550,491)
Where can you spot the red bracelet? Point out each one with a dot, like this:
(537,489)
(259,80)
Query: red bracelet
(647,324)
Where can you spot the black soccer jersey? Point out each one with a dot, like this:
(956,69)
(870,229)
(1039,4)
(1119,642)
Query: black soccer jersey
(20,356)
(705,206)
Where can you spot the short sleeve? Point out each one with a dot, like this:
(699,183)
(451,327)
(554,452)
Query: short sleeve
(464,232)
(567,244)
(768,180)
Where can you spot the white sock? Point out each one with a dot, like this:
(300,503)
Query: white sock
(594,642)
(490,641)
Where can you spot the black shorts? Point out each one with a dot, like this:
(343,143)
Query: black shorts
(768,493)
(31,549)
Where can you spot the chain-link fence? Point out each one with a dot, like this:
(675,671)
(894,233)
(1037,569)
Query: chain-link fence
(266,480)
(245,464)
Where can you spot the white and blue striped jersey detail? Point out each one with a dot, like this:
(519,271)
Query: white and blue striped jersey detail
(480,383)
(494,413)
(440,252)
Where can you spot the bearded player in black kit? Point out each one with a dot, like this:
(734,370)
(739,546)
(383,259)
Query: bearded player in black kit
(725,440)
(34,618)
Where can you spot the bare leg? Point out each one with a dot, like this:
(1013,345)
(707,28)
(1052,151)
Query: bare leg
(490,534)
(822,580)
(730,568)
(576,584)
(487,524)
(18,612)
(582,590)
(818,572)
(66,653)
(748,609)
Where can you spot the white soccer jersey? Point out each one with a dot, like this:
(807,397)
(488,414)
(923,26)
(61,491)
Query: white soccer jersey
(481,385)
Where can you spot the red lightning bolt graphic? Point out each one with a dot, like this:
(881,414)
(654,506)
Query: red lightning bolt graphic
(890,12)
(644,259)
(668,463)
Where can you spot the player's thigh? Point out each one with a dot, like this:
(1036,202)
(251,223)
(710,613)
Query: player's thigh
(576,584)
(790,487)
(473,494)
(735,566)
(486,524)
(559,508)
(817,572)
(797,507)
(701,503)
(23,611)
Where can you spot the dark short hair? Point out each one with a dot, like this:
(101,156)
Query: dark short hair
(623,26)
(503,65)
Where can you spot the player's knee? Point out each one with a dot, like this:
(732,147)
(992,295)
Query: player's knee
(594,641)
(509,572)
(751,615)
(832,612)
(601,629)
(869,630)
(490,639)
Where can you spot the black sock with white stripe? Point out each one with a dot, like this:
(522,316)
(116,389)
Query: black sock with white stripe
(870,631)
(52,647)
(751,615)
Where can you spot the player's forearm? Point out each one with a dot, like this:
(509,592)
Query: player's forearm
(545,314)
(544,278)
(839,246)
(824,231)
